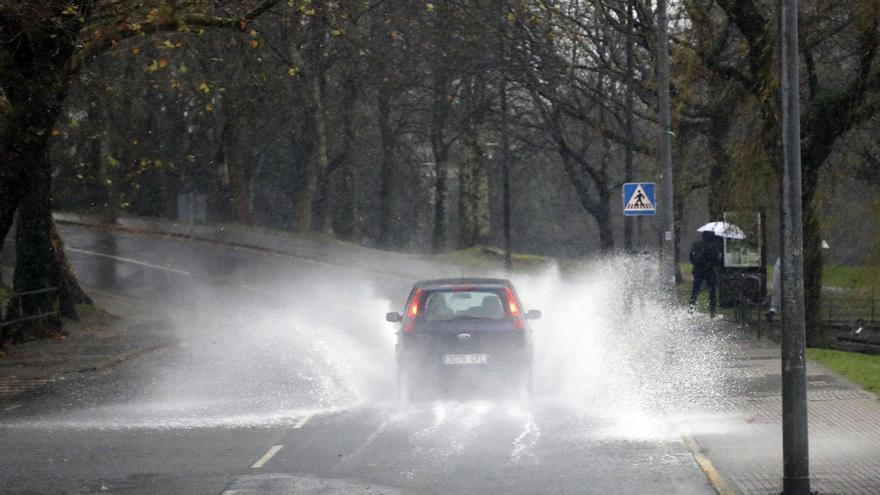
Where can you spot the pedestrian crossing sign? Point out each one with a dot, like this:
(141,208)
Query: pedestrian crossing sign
(638,199)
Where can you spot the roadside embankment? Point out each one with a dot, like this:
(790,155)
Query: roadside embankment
(316,247)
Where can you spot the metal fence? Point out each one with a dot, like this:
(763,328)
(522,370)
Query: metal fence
(18,299)
(851,322)
(851,310)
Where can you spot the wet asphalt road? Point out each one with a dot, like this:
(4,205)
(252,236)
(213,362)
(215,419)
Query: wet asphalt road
(279,379)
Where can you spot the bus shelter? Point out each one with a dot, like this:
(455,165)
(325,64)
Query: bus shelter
(743,278)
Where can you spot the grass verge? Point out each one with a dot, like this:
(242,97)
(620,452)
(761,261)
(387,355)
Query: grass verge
(491,257)
(852,277)
(863,369)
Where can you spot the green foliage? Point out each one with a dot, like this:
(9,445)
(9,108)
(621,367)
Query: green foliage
(862,369)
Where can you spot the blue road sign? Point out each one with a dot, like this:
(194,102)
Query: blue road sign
(638,199)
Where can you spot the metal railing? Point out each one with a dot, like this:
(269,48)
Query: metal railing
(18,298)
(841,310)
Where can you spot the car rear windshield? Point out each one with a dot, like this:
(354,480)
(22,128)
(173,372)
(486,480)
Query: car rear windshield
(483,304)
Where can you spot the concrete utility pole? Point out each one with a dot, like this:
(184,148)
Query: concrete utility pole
(795,448)
(667,211)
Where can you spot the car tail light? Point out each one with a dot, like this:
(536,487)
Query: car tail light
(412,312)
(513,307)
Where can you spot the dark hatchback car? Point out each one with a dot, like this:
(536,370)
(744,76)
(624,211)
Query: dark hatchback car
(465,332)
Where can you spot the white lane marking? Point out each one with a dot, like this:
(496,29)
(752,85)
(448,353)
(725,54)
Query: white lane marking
(232,492)
(302,421)
(128,260)
(267,456)
(12,408)
(526,440)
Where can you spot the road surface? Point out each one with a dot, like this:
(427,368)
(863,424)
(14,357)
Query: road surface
(278,378)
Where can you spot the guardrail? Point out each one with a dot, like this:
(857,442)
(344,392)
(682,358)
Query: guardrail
(18,298)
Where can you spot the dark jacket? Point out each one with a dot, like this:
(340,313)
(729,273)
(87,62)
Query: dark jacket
(706,255)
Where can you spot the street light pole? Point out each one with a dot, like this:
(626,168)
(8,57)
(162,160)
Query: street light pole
(667,211)
(795,448)
(629,164)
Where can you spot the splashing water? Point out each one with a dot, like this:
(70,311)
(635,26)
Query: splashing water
(606,350)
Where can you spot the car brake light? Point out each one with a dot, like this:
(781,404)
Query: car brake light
(511,303)
(412,312)
(514,308)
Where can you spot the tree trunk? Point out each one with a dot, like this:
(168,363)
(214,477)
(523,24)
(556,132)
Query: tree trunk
(602,214)
(10,197)
(813,261)
(308,194)
(70,293)
(438,239)
(14,146)
(440,149)
(469,189)
(34,254)
(316,172)
(11,191)
(717,187)
(239,178)
(345,211)
(482,194)
(106,189)
(386,172)
(344,204)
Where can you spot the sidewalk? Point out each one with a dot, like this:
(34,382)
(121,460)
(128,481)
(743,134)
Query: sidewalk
(743,438)
(99,341)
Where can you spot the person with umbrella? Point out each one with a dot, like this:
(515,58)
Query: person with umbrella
(707,258)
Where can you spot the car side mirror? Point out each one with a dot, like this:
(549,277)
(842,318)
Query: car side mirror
(393,317)
(533,314)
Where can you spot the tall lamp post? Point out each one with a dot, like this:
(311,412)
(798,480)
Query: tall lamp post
(795,448)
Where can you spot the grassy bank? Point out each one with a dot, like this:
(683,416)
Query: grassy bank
(490,257)
(852,277)
(863,369)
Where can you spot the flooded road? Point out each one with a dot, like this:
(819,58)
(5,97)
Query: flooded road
(278,377)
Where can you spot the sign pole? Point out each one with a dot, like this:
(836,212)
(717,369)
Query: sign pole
(667,221)
(795,448)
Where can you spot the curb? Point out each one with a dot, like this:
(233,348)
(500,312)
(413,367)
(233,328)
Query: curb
(715,478)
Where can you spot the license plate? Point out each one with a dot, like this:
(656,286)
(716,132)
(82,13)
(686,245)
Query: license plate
(465,358)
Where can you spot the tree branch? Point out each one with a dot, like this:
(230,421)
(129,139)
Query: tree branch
(106,39)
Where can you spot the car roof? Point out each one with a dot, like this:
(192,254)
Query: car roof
(451,282)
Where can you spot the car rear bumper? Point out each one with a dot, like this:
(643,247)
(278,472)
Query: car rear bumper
(431,363)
